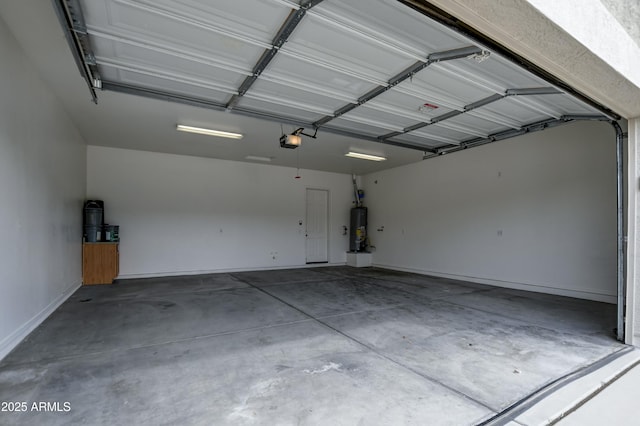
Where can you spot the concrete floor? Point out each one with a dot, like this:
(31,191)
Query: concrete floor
(332,345)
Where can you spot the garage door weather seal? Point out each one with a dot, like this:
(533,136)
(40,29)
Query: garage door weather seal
(509,414)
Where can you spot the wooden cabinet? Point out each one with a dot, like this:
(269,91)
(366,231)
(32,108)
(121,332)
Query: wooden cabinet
(100,263)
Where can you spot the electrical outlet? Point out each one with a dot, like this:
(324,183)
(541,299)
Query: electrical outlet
(499,232)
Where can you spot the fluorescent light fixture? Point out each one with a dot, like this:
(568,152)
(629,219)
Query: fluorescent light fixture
(256,158)
(364,156)
(209,132)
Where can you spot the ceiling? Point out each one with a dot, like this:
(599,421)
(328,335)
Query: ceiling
(374,76)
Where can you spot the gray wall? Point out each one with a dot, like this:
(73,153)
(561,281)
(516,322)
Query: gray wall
(536,212)
(627,12)
(184,215)
(42,186)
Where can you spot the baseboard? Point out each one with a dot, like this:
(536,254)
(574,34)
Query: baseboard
(598,297)
(224,270)
(14,339)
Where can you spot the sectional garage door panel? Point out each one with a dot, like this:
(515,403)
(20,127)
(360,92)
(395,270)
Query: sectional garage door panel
(286,112)
(377,69)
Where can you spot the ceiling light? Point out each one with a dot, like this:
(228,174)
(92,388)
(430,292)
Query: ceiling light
(209,132)
(364,156)
(256,158)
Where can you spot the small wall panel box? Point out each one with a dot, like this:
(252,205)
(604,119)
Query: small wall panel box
(100,263)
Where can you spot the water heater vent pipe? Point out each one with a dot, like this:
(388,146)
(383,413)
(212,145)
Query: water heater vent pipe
(355,191)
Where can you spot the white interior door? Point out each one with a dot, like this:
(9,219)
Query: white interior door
(317,226)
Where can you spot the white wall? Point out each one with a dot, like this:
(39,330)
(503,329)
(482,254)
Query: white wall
(184,215)
(536,212)
(42,185)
